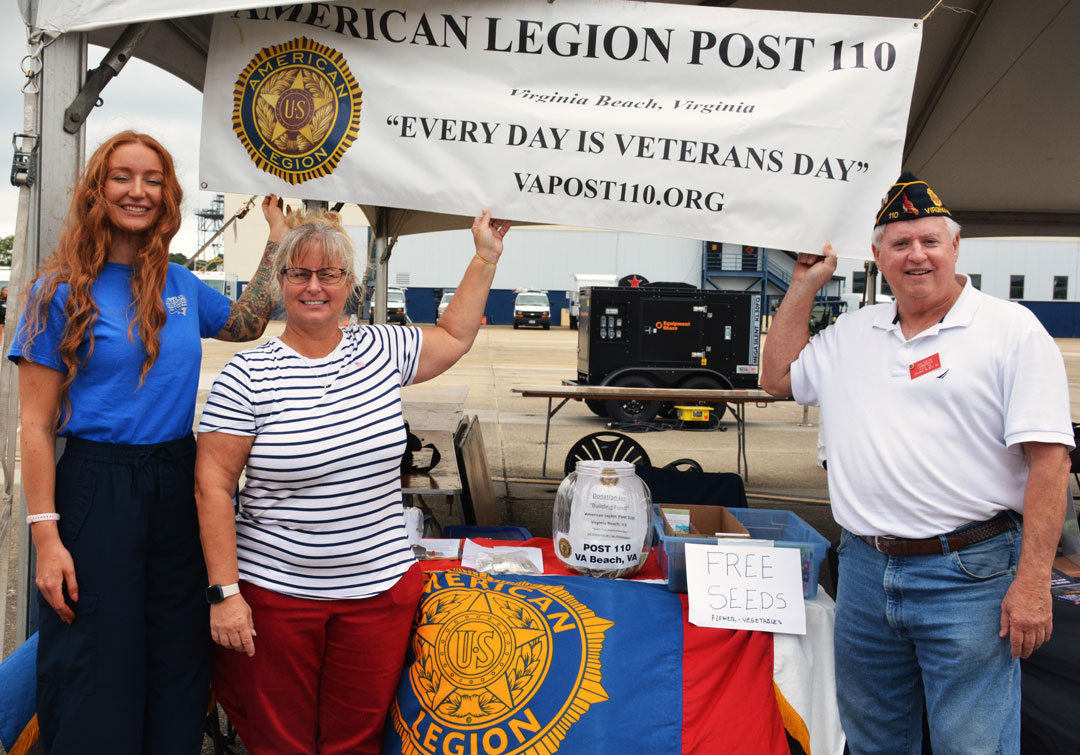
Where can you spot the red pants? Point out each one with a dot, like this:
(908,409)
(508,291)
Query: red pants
(324,671)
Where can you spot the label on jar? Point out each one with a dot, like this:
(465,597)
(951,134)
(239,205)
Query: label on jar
(590,553)
(606,511)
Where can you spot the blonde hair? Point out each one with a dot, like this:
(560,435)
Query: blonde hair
(326,230)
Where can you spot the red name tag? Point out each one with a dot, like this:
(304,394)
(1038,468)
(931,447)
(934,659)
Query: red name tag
(924,366)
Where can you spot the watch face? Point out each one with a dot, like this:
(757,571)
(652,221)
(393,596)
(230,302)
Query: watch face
(214,594)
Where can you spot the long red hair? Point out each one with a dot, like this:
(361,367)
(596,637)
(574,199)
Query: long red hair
(82,251)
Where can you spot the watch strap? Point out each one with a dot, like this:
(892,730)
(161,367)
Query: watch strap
(217,593)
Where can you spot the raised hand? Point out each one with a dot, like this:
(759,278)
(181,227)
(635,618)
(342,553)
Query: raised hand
(815,269)
(488,236)
(275,211)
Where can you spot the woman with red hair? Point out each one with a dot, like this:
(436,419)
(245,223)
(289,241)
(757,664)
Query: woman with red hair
(109,350)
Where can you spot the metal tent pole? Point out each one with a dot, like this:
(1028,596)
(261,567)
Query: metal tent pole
(60,158)
(382,263)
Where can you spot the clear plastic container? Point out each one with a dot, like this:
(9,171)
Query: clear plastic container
(784,528)
(602,519)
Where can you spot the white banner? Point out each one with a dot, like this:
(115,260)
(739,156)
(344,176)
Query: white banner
(82,15)
(763,128)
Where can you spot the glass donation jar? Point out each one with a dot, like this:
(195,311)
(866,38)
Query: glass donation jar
(602,519)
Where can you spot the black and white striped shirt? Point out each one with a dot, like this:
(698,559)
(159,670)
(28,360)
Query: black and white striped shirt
(321,510)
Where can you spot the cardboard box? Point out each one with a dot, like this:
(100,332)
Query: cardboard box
(783,528)
(706,521)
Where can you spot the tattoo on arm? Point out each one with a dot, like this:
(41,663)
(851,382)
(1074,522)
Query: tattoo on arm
(249,314)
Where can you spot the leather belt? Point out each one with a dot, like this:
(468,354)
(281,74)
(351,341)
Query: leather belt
(956,540)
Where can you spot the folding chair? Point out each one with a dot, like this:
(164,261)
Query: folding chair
(223,738)
(19,732)
(608,447)
(478,502)
(18,689)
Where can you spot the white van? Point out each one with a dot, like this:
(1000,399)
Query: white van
(532,308)
(395,307)
(443,304)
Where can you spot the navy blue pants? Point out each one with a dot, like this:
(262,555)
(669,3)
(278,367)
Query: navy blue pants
(131,674)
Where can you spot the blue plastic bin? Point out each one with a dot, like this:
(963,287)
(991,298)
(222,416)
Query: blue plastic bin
(492,532)
(784,528)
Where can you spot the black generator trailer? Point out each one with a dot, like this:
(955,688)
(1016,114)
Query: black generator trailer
(666,337)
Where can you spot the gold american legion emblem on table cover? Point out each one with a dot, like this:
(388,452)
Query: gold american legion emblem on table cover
(500,666)
(296,109)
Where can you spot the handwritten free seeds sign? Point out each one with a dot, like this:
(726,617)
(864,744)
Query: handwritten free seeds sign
(756,127)
(743,586)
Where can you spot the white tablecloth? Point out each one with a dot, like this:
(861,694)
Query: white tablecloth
(803,670)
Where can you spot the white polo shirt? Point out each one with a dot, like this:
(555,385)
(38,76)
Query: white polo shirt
(924,436)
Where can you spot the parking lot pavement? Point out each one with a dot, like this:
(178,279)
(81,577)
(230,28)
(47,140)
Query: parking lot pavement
(780,448)
(781,438)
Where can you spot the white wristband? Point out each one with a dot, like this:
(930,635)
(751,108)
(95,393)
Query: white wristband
(52,516)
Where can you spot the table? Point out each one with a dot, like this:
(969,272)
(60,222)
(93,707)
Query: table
(483,670)
(433,413)
(433,407)
(444,479)
(737,398)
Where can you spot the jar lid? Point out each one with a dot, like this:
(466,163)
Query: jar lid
(602,466)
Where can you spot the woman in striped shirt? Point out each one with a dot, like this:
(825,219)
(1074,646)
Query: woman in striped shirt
(316,557)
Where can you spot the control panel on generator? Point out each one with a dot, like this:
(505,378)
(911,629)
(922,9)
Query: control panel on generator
(677,337)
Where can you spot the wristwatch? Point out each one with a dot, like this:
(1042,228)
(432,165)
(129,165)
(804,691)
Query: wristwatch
(218,593)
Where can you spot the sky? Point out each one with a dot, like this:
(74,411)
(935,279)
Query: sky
(142,97)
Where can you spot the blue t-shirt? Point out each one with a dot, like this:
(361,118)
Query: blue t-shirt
(107,403)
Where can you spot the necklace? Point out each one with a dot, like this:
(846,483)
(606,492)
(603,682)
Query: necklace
(326,379)
(319,371)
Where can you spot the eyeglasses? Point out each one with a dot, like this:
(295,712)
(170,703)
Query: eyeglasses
(330,275)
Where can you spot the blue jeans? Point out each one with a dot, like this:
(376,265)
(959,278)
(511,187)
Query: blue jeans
(909,626)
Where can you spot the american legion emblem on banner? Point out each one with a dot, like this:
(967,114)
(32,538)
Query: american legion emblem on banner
(497,666)
(296,109)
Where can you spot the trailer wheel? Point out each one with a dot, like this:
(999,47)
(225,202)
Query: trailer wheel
(705,383)
(632,410)
(598,407)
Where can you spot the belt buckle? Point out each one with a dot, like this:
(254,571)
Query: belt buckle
(879,546)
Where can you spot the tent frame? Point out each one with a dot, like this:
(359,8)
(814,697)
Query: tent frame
(65,95)
(1024,40)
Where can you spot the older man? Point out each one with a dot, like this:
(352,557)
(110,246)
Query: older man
(948,434)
